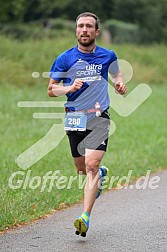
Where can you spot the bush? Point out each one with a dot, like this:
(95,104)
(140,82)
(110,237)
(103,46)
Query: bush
(122,32)
(60,24)
(49,28)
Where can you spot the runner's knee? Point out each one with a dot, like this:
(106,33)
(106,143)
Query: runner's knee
(92,166)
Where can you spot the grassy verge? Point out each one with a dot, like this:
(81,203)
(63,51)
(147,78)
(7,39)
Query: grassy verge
(19,59)
(138,144)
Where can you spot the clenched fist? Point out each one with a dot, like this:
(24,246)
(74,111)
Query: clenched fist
(121,88)
(78,83)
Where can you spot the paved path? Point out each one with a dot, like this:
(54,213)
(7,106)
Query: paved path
(122,220)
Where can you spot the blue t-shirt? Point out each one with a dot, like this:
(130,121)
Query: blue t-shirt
(93,68)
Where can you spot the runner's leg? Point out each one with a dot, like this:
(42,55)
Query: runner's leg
(80,165)
(92,162)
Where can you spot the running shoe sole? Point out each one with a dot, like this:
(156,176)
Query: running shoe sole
(81,227)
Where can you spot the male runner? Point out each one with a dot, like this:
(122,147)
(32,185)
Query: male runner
(84,72)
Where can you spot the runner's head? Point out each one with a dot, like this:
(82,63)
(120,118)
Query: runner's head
(87,28)
(90,14)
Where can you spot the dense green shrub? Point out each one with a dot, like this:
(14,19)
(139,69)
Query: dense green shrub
(49,28)
(122,32)
(60,23)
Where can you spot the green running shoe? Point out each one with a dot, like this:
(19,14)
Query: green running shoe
(82,224)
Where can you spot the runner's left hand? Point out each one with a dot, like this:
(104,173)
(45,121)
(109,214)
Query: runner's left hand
(121,88)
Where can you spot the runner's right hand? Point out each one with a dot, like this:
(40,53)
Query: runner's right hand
(78,83)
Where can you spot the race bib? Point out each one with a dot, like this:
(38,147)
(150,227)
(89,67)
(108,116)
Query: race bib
(75,121)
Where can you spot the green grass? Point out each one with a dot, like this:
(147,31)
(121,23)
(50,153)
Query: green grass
(139,142)
(19,59)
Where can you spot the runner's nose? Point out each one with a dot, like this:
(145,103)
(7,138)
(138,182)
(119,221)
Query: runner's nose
(85,29)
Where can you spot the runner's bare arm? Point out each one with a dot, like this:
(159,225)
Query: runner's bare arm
(120,87)
(54,89)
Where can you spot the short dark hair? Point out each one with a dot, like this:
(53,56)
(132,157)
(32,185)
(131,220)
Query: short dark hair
(90,14)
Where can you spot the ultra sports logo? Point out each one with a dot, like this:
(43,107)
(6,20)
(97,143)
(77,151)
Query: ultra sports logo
(89,72)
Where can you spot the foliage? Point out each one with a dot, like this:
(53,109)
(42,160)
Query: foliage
(122,32)
(11,10)
(23,57)
(150,15)
(53,28)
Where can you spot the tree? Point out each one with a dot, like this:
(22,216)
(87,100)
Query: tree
(11,10)
(150,16)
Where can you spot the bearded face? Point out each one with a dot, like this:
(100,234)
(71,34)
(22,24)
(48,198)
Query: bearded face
(86,31)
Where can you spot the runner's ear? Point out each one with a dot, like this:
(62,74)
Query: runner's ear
(97,32)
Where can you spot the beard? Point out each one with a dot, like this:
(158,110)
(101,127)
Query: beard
(86,43)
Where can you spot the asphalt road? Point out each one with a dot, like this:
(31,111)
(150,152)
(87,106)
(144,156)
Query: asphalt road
(122,220)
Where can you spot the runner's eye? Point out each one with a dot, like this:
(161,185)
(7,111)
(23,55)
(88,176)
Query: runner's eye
(89,26)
